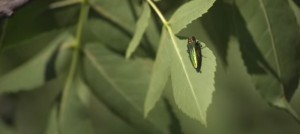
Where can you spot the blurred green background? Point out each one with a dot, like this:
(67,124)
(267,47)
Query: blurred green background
(38,39)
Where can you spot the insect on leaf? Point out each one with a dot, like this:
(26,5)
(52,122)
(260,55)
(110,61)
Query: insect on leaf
(192,90)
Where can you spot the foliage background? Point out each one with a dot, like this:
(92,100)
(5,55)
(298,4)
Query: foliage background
(107,92)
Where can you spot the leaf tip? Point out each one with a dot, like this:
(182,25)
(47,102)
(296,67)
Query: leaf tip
(127,56)
(146,112)
(283,104)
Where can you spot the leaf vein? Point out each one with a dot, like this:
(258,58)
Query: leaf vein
(272,38)
(101,70)
(185,72)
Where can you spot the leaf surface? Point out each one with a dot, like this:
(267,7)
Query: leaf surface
(296,10)
(141,26)
(74,116)
(273,48)
(192,90)
(52,127)
(160,74)
(34,106)
(31,74)
(121,85)
(188,13)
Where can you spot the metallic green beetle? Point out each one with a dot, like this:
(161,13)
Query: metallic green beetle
(194,49)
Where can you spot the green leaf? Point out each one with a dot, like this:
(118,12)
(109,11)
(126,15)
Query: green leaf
(160,74)
(31,74)
(192,90)
(4,129)
(23,51)
(74,117)
(34,106)
(66,16)
(63,57)
(187,124)
(52,126)
(141,26)
(153,33)
(207,82)
(121,85)
(96,29)
(84,110)
(64,3)
(189,12)
(121,16)
(118,22)
(296,10)
(273,48)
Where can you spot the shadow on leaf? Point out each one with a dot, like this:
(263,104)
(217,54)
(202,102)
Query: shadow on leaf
(218,26)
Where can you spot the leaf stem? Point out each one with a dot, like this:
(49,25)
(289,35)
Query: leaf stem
(164,21)
(162,18)
(84,10)
(166,24)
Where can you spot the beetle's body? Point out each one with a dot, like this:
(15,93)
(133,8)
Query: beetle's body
(194,49)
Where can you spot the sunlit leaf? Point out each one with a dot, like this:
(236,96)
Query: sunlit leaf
(192,90)
(189,12)
(160,74)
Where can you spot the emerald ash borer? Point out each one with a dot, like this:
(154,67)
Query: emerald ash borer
(194,49)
